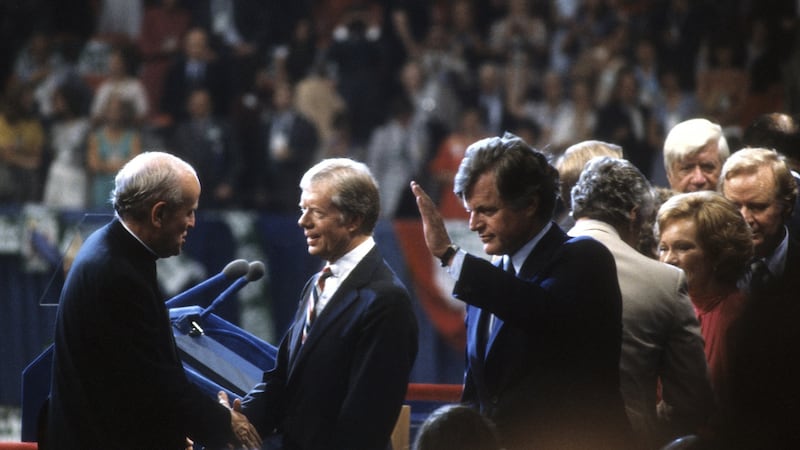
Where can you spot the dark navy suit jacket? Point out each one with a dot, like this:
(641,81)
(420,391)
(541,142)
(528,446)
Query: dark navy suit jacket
(343,388)
(549,374)
(117,381)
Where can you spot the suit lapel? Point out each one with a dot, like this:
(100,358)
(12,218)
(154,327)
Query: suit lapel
(297,324)
(542,254)
(538,259)
(340,302)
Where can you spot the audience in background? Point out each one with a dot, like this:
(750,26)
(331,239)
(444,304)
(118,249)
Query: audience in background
(22,140)
(113,144)
(445,162)
(209,145)
(396,152)
(67,184)
(122,83)
(198,66)
(627,122)
(576,121)
(163,27)
(289,144)
(722,82)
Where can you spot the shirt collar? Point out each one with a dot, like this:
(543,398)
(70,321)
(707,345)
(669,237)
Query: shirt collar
(124,225)
(521,255)
(777,261)
(344,265)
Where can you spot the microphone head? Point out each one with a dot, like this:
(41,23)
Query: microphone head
(236,268)
(256,271)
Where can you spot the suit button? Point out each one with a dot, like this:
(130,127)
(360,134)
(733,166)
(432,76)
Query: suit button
(494,399)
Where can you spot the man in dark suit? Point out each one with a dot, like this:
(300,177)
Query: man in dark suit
(197,67)
(759,182)
(210,146)
(290,143)
(763,393)
(343,366)
(780,132)
(625,121)
(543,342)
(117,381)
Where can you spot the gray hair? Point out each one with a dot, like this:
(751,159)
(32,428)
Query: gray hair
(355,189)
(689,137)
(609,189)
(146,179)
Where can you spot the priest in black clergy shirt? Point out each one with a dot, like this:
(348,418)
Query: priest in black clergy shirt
(117,381)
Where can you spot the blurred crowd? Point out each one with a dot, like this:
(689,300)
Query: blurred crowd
(253,92)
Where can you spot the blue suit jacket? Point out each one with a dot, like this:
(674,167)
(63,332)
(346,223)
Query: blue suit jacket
(343,388)
(549,374)
(117,381)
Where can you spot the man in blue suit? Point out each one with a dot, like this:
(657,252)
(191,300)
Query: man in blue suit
(544,321)
(343,366)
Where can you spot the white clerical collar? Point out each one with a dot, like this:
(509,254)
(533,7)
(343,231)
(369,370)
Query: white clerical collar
(124,225)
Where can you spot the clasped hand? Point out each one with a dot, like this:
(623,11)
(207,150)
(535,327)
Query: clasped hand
(245,431)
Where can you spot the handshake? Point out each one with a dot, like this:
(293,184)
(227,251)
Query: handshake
(245,432)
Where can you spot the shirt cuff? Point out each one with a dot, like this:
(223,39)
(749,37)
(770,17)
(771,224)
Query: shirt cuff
(454,269)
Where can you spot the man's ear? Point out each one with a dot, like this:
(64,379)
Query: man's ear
(355,224)
(157,213)
(633,215)
(786,214)
(533,207)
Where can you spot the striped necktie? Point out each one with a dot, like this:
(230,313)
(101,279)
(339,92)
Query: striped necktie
(311,310)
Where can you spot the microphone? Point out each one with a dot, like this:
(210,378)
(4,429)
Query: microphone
(235,269)
(255,271)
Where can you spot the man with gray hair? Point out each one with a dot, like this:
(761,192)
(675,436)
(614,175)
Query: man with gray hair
(661,339)
(117,381)
(759,182)
(694,151)
(342,368)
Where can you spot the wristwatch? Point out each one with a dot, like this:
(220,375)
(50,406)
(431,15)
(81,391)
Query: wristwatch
(448,254)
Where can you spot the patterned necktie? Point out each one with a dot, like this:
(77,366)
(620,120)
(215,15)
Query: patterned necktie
(760,276)
(311,310)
